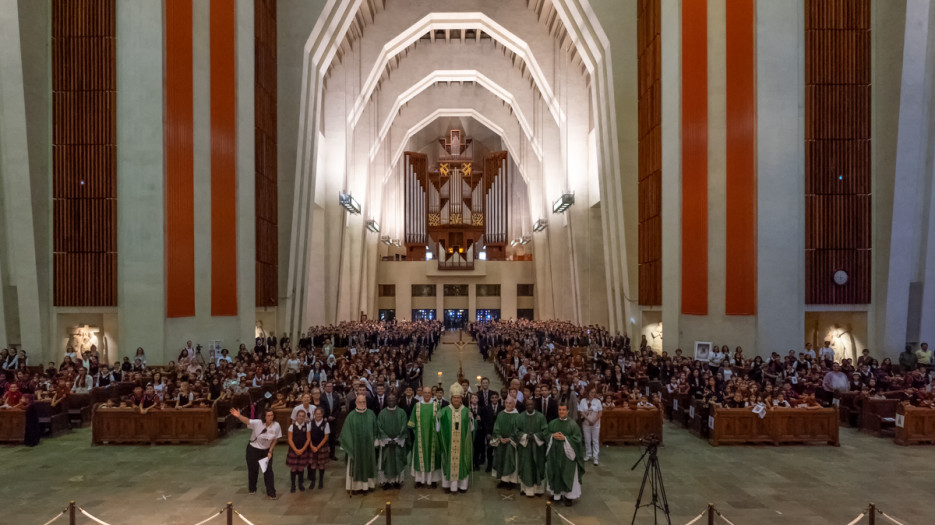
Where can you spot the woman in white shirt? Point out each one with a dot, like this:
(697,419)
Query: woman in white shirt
(263,436)
(591,409)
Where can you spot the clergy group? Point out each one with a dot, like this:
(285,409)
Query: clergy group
(435,444)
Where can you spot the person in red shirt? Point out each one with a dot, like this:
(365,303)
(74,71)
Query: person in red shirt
(13,398)
(149,400)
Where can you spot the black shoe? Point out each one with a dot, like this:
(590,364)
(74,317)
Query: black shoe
(463,491)
(302,486)
(292,490)
(384,486)
(418,485)
(434,485)
(501,485)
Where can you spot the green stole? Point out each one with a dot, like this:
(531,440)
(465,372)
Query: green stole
(531,458)
(456,445)
(391,424)
(425,453)
(357,437)
(560,471)
(504,455)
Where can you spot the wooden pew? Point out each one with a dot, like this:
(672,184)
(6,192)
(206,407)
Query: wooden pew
(849,408)
(698,412)
(878,415)
(803,425)
(730,426)
(914,425)
(120,426)
(188,425)
(780,426)
(629,426)
(284,418)
(128,426)
(12,425)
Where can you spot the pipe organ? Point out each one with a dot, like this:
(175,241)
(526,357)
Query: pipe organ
(457,209)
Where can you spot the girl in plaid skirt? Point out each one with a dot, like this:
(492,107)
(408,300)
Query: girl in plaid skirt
(299,452)
(320,448)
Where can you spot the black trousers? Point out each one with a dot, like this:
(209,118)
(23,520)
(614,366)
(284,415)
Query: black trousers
(254,455)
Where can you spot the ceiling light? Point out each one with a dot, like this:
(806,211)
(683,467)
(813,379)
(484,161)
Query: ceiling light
(564,202)
(540,225)
(349,204)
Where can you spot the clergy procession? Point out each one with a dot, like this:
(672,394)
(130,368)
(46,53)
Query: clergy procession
(436,444)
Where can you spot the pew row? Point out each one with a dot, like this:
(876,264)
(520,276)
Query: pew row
(629,426)
(914,425)
(128,426)
(730,426)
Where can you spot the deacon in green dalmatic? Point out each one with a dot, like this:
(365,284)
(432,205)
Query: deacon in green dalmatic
(393,434)
(504,455)
(532,433)
(358,439)
(426,461)
(456,440)
(564,462)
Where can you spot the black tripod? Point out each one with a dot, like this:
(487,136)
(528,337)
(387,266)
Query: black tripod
(654,475)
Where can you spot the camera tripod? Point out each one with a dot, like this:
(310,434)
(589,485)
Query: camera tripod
(653,474)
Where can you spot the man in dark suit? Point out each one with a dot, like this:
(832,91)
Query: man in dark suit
(378,400)
(331,406)
(488,415)
(483,395)
(545,403)
(440,397)
(408,401)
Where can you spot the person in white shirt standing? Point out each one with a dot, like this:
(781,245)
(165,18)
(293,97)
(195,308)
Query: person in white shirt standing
(826,353)
(263,437)
(591,409)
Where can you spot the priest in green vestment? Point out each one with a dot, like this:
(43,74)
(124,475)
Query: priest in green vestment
(393,434)
(504,445)
(532,433)
(358,439)
(564,463)
(426,461)
(456,441)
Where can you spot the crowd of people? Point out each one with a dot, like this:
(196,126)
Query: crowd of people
(369,398)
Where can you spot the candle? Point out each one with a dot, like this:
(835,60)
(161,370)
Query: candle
(478,379)
(439,375)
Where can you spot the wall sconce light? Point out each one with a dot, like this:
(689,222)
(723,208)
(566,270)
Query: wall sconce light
(515,242)
(373,226)
(397,243)
(385,239)
(349,204)
(540,225)
(525,240)
(564,202)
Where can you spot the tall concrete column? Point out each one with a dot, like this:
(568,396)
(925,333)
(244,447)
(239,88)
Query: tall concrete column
(671,34)
(780,51)
(141,258)
(21,289)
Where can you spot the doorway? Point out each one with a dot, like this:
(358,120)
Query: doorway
(455,319)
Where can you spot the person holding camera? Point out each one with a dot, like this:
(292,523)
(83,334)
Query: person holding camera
(264,435)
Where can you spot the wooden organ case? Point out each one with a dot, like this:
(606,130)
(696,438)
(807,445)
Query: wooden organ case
(456,210)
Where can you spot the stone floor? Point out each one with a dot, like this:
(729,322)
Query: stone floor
(798,485)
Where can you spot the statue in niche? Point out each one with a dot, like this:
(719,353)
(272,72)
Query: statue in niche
(260,332)
(657,338)
(84,338)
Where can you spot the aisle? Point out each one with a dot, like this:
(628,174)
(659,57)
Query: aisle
(445,361)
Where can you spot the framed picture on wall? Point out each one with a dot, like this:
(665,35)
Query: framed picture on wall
(702,350)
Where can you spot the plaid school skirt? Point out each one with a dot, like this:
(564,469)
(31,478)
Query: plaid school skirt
(319,460)
(298,462)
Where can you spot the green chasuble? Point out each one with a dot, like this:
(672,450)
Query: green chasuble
(560,471)
(456,441)
(425,454)
(357,439)
(504,454)
(393,435)
(532,435)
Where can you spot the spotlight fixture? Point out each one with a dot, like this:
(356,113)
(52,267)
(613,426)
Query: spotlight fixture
(564,202)
(540,225)
(373,226)
(525,240)
(397,243)
(349,204)
(385,239)
(515,242)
